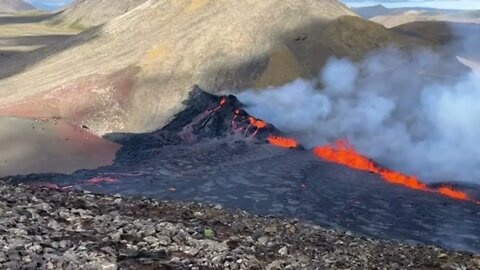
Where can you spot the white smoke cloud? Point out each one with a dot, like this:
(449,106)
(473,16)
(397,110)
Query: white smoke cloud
(399,115)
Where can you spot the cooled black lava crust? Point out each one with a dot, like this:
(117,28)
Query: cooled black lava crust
(200,157)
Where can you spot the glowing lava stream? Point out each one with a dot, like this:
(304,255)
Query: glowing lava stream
(257,123)
(282,142)
(344,153)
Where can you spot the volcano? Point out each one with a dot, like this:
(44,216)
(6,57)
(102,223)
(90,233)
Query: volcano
(215,152)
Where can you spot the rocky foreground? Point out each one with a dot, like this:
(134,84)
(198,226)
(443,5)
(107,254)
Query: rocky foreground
(48,229)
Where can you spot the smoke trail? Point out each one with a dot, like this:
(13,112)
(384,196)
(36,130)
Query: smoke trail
(402,116)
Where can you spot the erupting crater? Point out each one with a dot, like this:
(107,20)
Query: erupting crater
(226,118)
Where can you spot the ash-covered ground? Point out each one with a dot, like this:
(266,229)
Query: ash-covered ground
(214,152)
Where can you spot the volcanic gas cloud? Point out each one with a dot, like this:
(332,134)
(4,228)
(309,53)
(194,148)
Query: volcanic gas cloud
(400,116)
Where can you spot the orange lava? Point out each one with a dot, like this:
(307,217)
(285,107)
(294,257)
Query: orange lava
(401,179)
(448,191)
(98,180)
(282,142)
(344,153)
(257,123)
(223,101)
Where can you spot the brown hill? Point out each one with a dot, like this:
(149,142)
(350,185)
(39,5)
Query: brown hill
(440,31)
(396,19)
(460,39)
(347,36)
(132,73)
(50,145)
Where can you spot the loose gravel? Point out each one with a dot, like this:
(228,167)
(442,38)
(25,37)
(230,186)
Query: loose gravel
(49,229)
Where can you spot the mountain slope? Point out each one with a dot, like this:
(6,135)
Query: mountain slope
(461,39)
(376,10)
(8,6)
(339,38)
(392,17)
(84,14)
(398,17)
(440,31)
(134,72)
(396,20)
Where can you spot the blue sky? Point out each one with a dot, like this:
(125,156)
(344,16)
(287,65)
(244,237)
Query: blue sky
(49,4)
(448,4)
(444,4)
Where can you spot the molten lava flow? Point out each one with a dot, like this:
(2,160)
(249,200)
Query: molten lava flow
(282,142)
(223,101)
(257,123)
(448,191)
(98,180)
(401,179)
(344,153)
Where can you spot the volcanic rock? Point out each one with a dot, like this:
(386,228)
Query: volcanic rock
(283,251)
(205,116)
(92,249)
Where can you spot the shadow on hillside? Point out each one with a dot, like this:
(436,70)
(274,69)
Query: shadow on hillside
(33,40)
(7,53)
(26,18)
(11,66)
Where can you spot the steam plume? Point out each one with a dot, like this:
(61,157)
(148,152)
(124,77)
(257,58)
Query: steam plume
(399,115)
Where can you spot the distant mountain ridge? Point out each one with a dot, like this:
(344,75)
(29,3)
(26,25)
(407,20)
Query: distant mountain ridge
(9,6)
(380,10)
(391,17)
